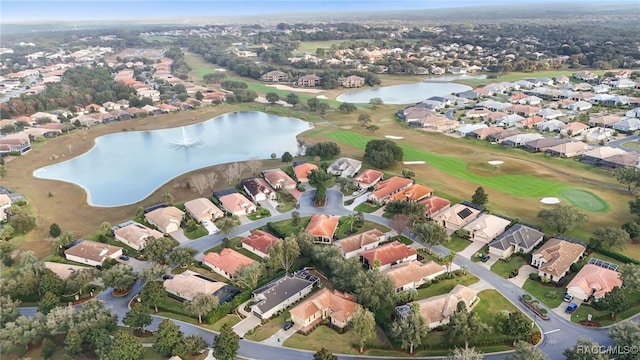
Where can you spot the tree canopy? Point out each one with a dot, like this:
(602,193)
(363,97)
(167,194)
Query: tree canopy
(383,154)
(563,217)
(325,150)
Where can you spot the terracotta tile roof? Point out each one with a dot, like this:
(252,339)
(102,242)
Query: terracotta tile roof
(388,253)
(189,284)
(484,132)
(441,307)
(235,202)
(385,188)
(559,255)
(358,241)
(303,170)
(278,178)
(260,240)
(137,234)
(341,305)
(368,177)
(434,204)
(596,279)
(413,193)
(532,120)
(203,209)
(322,225)
(575,127)
(228,260)
(413,272)
(92,250)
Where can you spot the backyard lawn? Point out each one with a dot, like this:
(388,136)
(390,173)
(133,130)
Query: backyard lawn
(549,295)
(444,286)
(344,229)
(457,244)
(504,268)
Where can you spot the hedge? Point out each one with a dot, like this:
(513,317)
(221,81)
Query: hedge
(275,231)
(224,309)
(617,256)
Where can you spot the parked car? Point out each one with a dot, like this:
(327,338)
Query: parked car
(571,308)
(288,325)
(167,277)
(485,258)
(123,257)
(568,297)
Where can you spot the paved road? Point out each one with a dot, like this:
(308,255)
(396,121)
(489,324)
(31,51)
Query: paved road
(618,143)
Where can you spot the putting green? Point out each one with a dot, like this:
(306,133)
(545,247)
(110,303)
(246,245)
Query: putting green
(516,185)
(584,199)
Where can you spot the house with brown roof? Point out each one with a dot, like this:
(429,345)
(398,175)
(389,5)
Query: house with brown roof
(259,243)
(202,209)
(351,81)
(92,253)
(334,305)
(595,156)
(64,271)
(437,310)
(274,76)
(593,280)
(237,204)
(456,216)
(568,150)
(279,179)
(309,81)
(227,262)
(574,128)
(383,190)
(368,178)
(434,204)
(483,133)
(354,245)
(555,257)
(136,235)
(543,144)
(279,294)
(189,284)
(518,238)
(413,274)
(621,160)
(486,227)
(258,189)
(322,227)
(605,121)
(415,192)
(166,219)
(531,121)
(502,135)
(387,255)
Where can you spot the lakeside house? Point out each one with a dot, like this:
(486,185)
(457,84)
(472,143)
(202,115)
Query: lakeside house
(278,179)
(166,219)
(203,210)
(258,189)
(237,204)
(302,170)
(92,253)
(136,235)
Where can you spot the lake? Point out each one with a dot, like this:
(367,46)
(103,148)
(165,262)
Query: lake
(404,94)
(126,167)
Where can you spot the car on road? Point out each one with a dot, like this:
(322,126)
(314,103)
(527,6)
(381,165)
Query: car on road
(571,308)
(485,258)
(288,325)
(123,257)
(167,277)
(568,297)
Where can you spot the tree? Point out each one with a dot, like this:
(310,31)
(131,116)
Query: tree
(195,343)
(253,164)
(464,354)
(305,243)
(182,255)
(610,237)
(632,228)
(415,210)
(105,228)
(48,349)
(581,351)
(480,197)
(157,249)
(199,183)
(375,102)
(8,310)
(167,337)
(347,107)
(232,172)
(400,222)
(319,177)
(408,173)
(373,128)
(409,330)
(325,150)
(364,119)
(430,234)
(563,217)
(168,198)
(614,301)
(63,240)
(293,99)
(295,218)
(226,345)
(465,325)
(6,232)
(22,223)
(227,225)
(199,96)
(119,276)
(152,294)
(284,253)
(54,230)
(50,282)
(634,206)
(272,98)
(516,325)
(363,324)
(123,346)
(373,289)
(629,176)
(73,342)
(247,277)
(313,104)
(382,154)
(94,321)
(78,280)
(630,275)
(286,157)
(525,351)
(625,335)
(152,272)
(138,317)
(324,354)
(48,302)
(201,304)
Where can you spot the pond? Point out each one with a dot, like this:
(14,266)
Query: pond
(404,94)
(126,167)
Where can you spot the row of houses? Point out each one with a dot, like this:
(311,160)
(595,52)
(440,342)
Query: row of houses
(351,81)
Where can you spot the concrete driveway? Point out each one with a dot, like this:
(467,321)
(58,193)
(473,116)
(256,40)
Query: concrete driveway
(178,235)
(523,275)
(470,250)
(247,324)
(281,335)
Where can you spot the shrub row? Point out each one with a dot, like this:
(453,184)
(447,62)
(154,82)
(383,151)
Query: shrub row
(617,256)
(224,309)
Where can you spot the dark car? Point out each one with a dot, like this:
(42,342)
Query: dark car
(167,277)
(571,308)
(485,258)
(123,257)
(288,325)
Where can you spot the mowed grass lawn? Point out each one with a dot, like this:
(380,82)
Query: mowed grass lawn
(504,268)
(584,199)
(323,336)
(549,295)
(457,244)
(444,286)
(516,185)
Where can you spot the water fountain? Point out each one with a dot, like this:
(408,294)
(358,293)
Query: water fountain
(186,142)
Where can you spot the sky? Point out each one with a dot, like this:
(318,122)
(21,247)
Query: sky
(18,11)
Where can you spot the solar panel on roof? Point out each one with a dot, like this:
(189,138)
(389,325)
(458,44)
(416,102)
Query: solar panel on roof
(464,213)
(603,264)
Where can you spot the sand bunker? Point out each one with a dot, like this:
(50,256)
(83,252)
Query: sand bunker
(393,137)
(495,162)
(321,97)
(289,88)
(550,200)
(414,162)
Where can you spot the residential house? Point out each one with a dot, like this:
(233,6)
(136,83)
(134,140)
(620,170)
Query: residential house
(189,284)
(237,204)
(465,129)
(414,193)
(622,84)
(278,179)
(518,238)
(309,81)
(334,305)
(383,190)
(605,121)
(227,262)
(621,160)
(593,281)
(627,124)
(457,216)
(437,310)
(279,294)
(258,189)
(555,257)
(598,135)
(351,81)
(568,150)
(500,136)
(633,113)
(483,133)
(356,244)
(520,139)
(136,235)
(344,167)
(574,129)
(543,144)
(478,113)
(530,100)
(5,203)
(388,255)
(166,219)
(523,110)
(274,76)
(259,243)
(510,120)
(64,271)
(580,106)
(486,227)
(434,204)
(585,75)
(414,274)
(595,156)
(368,178)
(322,227)
(551,125)
(549,114)
(11,143)
(302,170)
(92,253)
(203,210)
